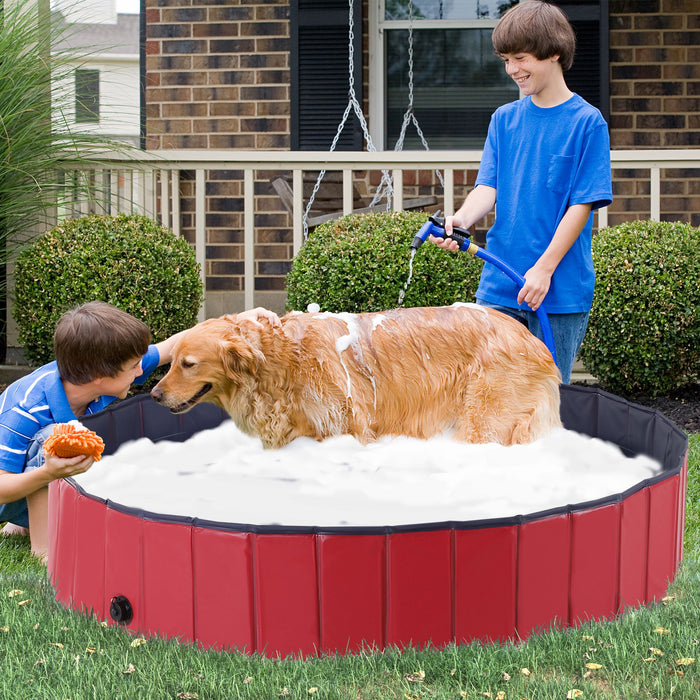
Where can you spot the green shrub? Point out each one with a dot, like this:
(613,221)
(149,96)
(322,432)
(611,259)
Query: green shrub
(361,263)
(644,330)
(128,261)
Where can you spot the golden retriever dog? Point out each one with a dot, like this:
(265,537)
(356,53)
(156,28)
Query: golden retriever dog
(464,370)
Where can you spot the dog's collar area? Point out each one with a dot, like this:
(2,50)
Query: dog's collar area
(181,408)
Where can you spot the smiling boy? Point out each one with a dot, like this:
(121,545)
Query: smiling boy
(546,165)
(100,352)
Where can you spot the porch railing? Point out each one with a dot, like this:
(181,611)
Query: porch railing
(151,184)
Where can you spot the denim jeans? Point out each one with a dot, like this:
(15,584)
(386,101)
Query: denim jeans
(16,512)
(567,329)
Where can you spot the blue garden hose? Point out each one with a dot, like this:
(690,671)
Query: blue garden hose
(435,226)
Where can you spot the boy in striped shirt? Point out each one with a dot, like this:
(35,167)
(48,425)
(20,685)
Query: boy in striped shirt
(100,352)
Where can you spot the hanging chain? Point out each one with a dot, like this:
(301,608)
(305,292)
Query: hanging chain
(354,105)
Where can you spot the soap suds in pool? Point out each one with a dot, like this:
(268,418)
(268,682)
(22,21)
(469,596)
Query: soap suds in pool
(224,475)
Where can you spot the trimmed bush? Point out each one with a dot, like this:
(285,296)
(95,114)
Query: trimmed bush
(644,331)
(361,263)
(128,261)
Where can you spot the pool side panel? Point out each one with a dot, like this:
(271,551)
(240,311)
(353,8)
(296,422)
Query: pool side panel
(485,583)
(352,584)
(224,607)
(419,588)
(167,580)
(634,536)
(124,564)
(663,519)
(64,554)
(89,579)
(286,595)
(544,555)
(594,572)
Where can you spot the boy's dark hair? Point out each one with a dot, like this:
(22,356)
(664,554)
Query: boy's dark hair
(537,28)
(95,340)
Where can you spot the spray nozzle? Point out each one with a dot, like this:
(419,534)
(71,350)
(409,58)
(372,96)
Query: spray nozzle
(435,226)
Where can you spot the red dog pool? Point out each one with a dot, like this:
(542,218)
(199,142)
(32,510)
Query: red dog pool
(307,590)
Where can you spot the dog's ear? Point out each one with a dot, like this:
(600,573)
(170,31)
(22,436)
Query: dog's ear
(241,349)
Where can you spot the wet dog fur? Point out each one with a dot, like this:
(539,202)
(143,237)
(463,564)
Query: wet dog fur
(466,370)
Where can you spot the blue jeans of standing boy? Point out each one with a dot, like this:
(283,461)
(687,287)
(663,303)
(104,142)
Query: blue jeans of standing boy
(567,329)
(16,512)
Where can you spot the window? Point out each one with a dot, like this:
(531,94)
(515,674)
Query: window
(319,61)
(457,80)
(87,96)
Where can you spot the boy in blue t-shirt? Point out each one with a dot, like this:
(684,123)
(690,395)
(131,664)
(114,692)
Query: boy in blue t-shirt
(100,352)
(546,167)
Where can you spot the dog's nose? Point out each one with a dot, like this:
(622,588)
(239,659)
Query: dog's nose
(157,394)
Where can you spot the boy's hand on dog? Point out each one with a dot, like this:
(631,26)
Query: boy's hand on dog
(260,312)
(62,467)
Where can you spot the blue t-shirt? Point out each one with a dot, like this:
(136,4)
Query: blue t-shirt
(541,162)
(38,399)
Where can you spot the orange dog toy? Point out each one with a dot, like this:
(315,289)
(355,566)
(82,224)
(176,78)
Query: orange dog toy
(69,441)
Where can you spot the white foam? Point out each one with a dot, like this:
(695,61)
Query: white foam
(224,475)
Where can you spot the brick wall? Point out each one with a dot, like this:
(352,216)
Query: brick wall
(655,100)
(217,77)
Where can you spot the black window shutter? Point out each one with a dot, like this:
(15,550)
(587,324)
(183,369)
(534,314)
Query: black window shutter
(589,74)
(319,74)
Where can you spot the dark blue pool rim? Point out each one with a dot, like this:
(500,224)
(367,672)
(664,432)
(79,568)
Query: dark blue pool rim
(635,429)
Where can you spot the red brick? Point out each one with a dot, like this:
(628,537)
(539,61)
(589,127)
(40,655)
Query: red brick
(185,109)
(169,94)
(232,77)
(661,87)
(232,109)
(212,126)
(267,12)
(635,38)
(681,139)
(676,105)
(230,14)
(273,142)
(220,61)
(215,30)
(681,72)
(272,109)
(215,93)
(659,21)
(660,55)
(244,141)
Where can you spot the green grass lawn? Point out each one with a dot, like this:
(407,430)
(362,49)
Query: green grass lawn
(52,653)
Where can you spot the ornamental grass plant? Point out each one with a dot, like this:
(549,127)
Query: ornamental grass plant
(36,136)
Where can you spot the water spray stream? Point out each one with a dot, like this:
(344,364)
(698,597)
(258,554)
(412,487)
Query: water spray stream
(402,293)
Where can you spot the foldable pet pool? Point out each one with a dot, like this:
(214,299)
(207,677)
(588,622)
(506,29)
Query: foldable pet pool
(282,590)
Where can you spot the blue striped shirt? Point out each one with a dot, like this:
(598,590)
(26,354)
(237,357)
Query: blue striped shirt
(38,399)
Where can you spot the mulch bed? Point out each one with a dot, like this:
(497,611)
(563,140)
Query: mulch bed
(682,406)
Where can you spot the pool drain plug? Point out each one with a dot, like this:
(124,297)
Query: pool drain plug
(120,610)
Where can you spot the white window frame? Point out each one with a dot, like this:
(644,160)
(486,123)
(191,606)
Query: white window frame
(377,26)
